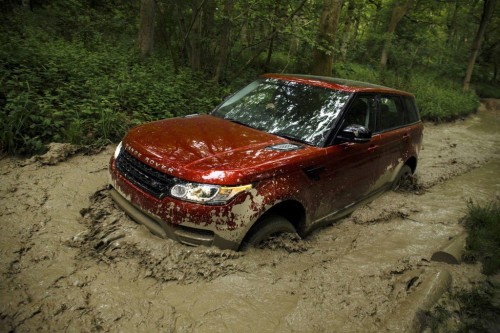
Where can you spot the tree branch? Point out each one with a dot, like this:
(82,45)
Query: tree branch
(271,36)
(191,25)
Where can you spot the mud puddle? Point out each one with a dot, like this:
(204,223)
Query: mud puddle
(78,264)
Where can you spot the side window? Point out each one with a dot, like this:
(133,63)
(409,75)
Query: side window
(413,115)
(392,113)
(362,112)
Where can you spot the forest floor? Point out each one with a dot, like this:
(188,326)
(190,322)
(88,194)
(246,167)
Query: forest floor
(72,261)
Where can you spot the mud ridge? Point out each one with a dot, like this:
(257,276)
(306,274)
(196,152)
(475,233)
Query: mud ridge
(106,241)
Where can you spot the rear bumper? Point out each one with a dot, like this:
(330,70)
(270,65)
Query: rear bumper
(163,229)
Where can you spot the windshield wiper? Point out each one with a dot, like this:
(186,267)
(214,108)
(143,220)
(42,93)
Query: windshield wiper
(238,122)
(290,137)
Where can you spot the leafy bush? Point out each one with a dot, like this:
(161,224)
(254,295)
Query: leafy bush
(483,241)
(441,100)
(474,310)
(56,90)
(465,311)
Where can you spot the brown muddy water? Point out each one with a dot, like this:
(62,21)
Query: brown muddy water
(71,261)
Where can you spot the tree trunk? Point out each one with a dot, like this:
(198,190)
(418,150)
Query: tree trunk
(346,38)
(375,20)
(195,35)
(399,10)
(452,24)
(147,27)
(165,32)
(270,50)
(208,36)
(224,41)
(323,53)
(495,72)
(476,45)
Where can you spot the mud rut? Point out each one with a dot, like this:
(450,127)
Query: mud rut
(71,261)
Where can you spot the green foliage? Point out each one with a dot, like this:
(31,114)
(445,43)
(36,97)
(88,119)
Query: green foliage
(55,89)
(474,311)
(438,99)
(483,241)
(354,71)
(487,90)
(442,100)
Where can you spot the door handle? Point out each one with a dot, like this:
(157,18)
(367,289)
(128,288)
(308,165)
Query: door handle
(372,149)
(406,136)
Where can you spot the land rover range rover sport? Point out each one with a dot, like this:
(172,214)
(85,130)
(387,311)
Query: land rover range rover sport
(286,153)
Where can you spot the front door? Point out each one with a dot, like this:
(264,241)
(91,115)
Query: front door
(350,169)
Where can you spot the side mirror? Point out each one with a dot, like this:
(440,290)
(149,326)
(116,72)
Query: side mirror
(354,133)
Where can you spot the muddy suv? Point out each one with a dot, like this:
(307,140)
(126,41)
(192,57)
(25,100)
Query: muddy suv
(286,153)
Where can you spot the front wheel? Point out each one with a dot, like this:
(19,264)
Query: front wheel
(269,226)
(403,178)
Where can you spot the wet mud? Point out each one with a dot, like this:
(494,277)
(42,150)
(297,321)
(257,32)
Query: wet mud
(72,261)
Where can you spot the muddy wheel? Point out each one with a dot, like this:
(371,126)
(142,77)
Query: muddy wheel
(403,178)
(269,226)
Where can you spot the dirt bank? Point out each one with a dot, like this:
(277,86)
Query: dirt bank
(72,261)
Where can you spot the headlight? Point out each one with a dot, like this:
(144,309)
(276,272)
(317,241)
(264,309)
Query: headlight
(118,150)
(206,193)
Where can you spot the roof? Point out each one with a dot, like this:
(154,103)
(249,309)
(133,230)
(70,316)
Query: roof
(336,83)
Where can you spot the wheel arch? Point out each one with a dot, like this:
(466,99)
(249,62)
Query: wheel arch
(292,210)
(412,163)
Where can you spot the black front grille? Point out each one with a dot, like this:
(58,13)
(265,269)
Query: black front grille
(143,176)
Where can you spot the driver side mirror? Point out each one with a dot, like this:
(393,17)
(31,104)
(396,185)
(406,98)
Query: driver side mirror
(354,133)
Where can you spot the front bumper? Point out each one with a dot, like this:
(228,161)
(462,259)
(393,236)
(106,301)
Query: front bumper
(182,234)
(224,226)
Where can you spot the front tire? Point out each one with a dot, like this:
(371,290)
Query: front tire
(269,226)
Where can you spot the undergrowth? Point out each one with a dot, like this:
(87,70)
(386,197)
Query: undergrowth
(61,91)
(477,309)
(483,242)
(465,311)
(84,89)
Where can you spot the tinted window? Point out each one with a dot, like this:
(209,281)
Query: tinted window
(362,112)
(392,113)
(289,109)
(412,111)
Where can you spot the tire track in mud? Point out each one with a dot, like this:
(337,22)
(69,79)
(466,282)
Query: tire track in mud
(109,239)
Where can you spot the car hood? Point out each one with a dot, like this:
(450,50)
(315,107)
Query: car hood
(208,149)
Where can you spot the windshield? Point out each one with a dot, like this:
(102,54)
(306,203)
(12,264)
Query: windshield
(292,110)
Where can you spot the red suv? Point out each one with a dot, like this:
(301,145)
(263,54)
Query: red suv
(286,153)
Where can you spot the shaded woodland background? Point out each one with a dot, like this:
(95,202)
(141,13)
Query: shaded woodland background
(84,71)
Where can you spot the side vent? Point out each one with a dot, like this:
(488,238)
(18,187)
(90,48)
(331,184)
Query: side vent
(285,147)
(314,172)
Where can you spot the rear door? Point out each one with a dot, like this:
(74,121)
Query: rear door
(394,135)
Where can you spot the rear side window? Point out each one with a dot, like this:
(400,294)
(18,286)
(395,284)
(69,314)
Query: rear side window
(412,111)
(392,113)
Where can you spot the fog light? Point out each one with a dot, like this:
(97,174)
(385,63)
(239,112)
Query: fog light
(179,191)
